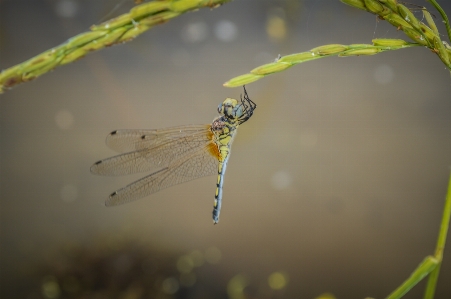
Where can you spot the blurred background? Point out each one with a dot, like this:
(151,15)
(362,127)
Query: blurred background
(336,185)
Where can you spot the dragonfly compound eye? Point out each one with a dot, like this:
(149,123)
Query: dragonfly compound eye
(238,111)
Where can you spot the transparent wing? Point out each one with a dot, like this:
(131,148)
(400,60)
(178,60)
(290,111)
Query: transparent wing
(201,163)
(123,141)
(153,149)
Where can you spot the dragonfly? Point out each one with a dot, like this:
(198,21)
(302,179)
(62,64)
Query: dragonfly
(175,155)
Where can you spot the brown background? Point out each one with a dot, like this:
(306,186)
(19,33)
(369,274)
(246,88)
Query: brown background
(338,179)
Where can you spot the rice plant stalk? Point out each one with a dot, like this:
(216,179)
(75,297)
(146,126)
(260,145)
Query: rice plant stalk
(431,264)
(426,266)
(390,10)
(444,17)
(119,30)
(441,241)
(285,62)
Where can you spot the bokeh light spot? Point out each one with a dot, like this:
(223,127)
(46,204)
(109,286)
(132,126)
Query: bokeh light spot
(277,280)
(197,257)
(50,287)
(66,8)
(281,180)
(384,74)
(276,28)
(226,31)
(195,32)
(64,119)
(185,264)
(326,296)
(236,285)
(170,285)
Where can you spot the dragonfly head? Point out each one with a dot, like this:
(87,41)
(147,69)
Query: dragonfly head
(231,109)
(237,111)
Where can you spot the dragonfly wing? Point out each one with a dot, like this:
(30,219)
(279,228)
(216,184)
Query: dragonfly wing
(157,153)
(127,163)
(201,163)
(123,141)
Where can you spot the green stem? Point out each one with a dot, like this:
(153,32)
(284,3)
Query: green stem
(444,16)
(432,281)
(426,266)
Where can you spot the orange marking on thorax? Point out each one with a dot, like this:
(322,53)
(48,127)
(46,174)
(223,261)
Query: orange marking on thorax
(212,147)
